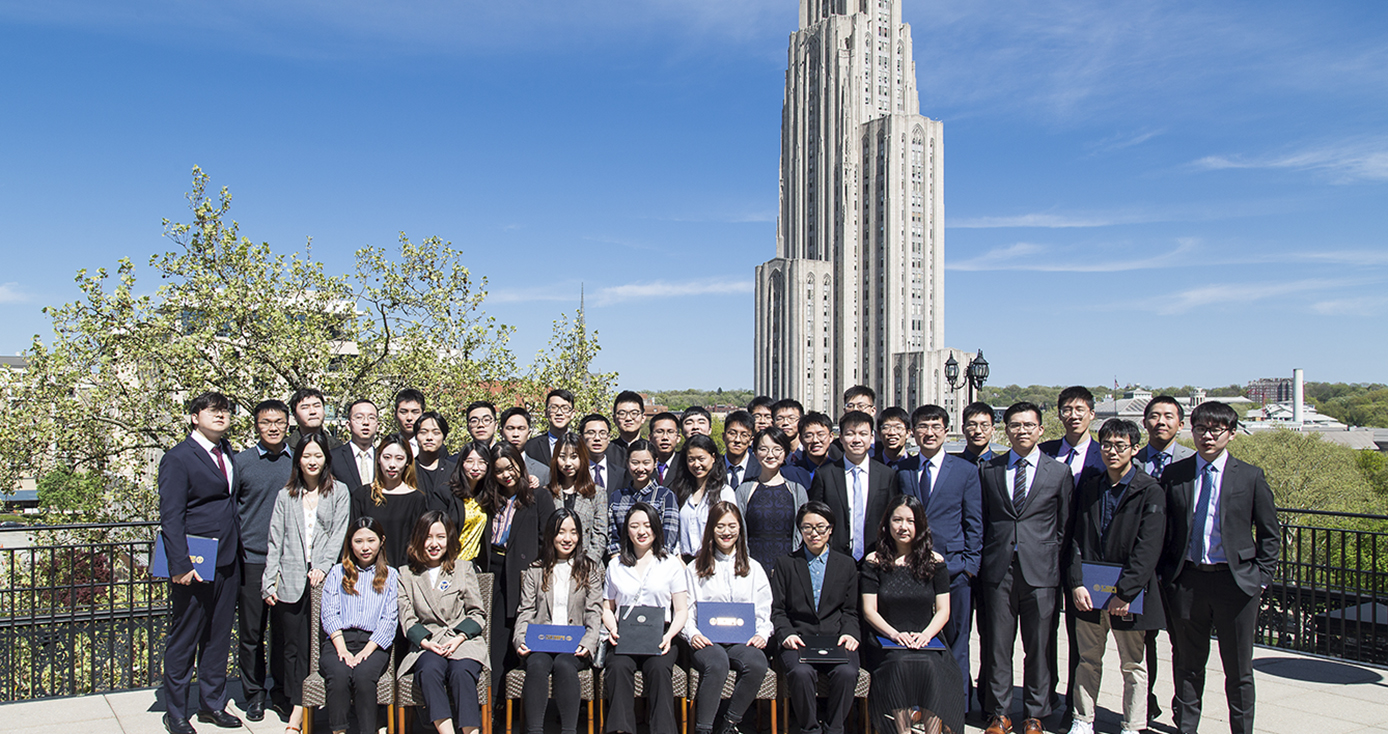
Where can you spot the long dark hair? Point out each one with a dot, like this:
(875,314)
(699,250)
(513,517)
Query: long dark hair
(492,499)
(296,475)
(419,560)
(583,566)
(407,477)
(703,562)
(583,479)
(349,559)
(457,481)
(685,484)
(628,554)
(920,560)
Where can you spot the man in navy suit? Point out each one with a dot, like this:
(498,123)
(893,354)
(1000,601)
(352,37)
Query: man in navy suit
(559,409)
(856,488)
(195,498)
(948,487)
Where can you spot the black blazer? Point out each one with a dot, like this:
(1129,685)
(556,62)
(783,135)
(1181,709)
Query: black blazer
(830,486)
(1248,523)
(195,499)
(345,466)
(1037,535)
(1134,540)
(792,597)
(523,548)
(296,435)
(616,477)
(954,510)
(537,448)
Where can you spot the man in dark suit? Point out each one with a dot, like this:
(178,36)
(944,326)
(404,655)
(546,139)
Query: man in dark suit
(606,462)
(629,411)
(559,410)
(1026,512)
(665,436)
(354,462)
(737,443)
(515,430)
(195,498)
(814,592)
(785,415)
(978,433)
(948,487)
(481,421)
(1222,542)
(893,428)
(817,445)
(309,412)
(857,489)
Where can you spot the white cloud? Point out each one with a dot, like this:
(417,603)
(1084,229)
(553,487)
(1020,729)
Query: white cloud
(1348,161)
(10,293)
(1363,306)
(1038,258)
(1241,293)
(1119,141)
(611,295)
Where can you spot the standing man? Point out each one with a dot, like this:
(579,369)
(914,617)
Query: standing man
(1026,510)
(261,471)
(978,433)
(760,408)
(606,463)
(737,440)
(481,421)
(409,405)
(354,463)
(629,410)
(696,420)
(857,489)
(817,446)
(786,414)
(559,410)
(309,411)
(515,430)
(892,430)
(1222,541)
(864,400)
(196,479)
(665,435)
(948,487)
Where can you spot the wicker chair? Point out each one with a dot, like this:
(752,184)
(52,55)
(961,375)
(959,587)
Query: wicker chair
(408,694)
(769,691)
(315,687)
(587,691)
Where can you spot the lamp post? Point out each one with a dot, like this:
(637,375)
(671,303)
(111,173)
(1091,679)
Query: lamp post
(978,374)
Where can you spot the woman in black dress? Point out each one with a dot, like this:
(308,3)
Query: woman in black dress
(392,498)
(905,589)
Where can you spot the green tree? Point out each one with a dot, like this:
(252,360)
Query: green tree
(1308,473)
(67,492)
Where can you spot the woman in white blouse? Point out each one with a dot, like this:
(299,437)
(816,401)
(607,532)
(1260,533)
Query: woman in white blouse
(700,481)
(643,574)
(723,571)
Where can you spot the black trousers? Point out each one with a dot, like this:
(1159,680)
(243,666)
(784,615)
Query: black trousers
(959,627)
(620,681)
(1202,602)
(539,666)
(252,617)
(713,663)
(200,630)
(348,686)
(440,677)
(1009,602)
(802,680)
(289,630)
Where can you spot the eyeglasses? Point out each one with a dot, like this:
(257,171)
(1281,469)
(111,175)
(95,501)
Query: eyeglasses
(725,527)
(1211,431)
(628,414)
(771,450)
(560,409)
(485,420)
(974,426)
(1114,448)
(1071,410)
(1023,426)
(272,424)
(591,433)
(931,427)
(864,406)
(819,529)
(737,435)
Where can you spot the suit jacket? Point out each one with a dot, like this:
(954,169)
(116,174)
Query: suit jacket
(345,465)
(793,611)
(537,448)
(1248,523)
(954,510)
(1179,452)
(523,548)
(195,499)
(296,435)
(583,607)
(1093,459)
(538,470)
(616,475)
(801,460)
(967,455)
(1134,540)
(286,564)
(430,612)
(1037,534)
(830,486)
(592,512)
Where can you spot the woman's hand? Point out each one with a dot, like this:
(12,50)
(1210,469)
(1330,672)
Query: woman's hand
(758,642)
(699,642)
(272,599)
(611,629)
(666,640)
(315,577)
(581,652)
(522,650)
(448,648)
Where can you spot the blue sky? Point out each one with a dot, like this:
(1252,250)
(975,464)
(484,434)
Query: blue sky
(1158,193)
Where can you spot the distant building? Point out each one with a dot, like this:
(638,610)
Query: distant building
(1133,404)
(1270,390)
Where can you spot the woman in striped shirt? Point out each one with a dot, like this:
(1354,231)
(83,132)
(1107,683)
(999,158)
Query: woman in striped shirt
(359,611)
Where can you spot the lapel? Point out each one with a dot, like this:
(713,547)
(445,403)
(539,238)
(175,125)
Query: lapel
(802,570)
(939,480)
(207,459)
(433,596)
(997,470)
(829,575)
(1038,481)
(1227,490)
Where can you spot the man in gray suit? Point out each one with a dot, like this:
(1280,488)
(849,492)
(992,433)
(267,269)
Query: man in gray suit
(1026,516)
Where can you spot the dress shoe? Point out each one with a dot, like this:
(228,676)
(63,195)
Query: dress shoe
(283,710)
(222,718)
(178,725)
(1032,726)
(999,725)
(255,710)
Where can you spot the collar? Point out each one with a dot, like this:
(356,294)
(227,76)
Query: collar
(1219,463)
(821,557)
(262,451)
(203,441)
(1126,479)
(1082,449)
(359,451)
(1013,456)
(937,461)
(848,465)
(719,555)
(746,461)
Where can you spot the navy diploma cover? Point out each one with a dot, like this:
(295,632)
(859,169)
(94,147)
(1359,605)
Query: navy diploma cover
(726,622)
(553,637)
(1101,579)
(201,551)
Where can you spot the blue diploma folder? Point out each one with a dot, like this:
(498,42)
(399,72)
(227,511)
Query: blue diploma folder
(1101,579)
(935,644)
(727,623)
(553,637)
(201,551)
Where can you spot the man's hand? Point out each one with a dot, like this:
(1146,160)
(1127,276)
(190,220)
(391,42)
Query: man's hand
(848,643)
(1082,600)
(1116,606)
(793,642)
(187,578)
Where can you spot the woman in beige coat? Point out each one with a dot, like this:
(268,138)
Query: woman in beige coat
(442,616)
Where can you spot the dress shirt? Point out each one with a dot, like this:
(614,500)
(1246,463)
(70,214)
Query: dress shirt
(262,451)
(560,579)
(501,524)
(1076,461)
(1114,497)
(694,518)
(857,506)
(935,463)
(225,460)
(599,471)
(817,565)
(735,482)
(1151,464)
(1032,459)
(366,463)
(726,586)
(1214,538)
(365,610)
(664,578)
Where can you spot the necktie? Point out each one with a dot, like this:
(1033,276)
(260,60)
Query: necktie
(1070,461)
(1202,509)
(660,473)
(1159,464)
(926,480)
(858,513)
(365,469)
(733,476)
(221,465)
(597,475)
(1019,484)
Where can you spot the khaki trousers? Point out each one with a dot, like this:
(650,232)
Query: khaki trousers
(1092,639)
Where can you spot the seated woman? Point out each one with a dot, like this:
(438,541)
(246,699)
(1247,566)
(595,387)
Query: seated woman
(441,613)
(643,575)
(769,501)
(724,572)
(905,587)
(392,498)
(564,587)
(361,628)
(573,487)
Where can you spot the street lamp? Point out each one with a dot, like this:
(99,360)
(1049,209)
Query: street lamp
(978,371)
(952,373)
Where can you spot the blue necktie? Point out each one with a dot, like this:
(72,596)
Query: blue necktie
(925,481)
(1159,464)
(1202,510)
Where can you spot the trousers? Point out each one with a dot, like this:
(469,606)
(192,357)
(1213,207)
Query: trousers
(713,663)
(350,688)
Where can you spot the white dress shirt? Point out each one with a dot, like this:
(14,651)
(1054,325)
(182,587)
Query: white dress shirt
(226,456)
(1076,462)
(935,463)
(664,578)
(560,580)
(694,518)
(857,506)
(1012,457)
(726,586)
(366,463)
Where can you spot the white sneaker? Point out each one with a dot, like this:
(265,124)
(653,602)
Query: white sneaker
(1128,731)
(1082,727)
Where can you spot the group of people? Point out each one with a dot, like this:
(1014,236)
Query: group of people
(852,552)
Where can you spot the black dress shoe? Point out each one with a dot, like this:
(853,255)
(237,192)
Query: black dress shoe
(221,718)
(178,725)
(255,710)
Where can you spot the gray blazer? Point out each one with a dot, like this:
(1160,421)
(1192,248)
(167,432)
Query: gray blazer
(1177,450)
(592,512)
(538,470)
(744,493)
(584,607)
(286,564)
(440,614)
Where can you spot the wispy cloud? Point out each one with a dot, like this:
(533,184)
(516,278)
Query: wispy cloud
(1349,161)
(1123,140)
(1049,221)
(1363,306)
(1242,293)
(11,293)
(612,295)
(1039,258)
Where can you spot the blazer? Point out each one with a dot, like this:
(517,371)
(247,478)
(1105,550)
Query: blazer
(793,610)
(286,566)
(345,465)
(744,493)
(431,612)
(196,499)
(1134,540)
(954,510)
(1248,523)
(830,486)
(296,435)
(537,448)
(1178,451)
(1093,459)
(583,607)
(1037,535)
(523,548)
(592,512)
(616,476)
(538,470)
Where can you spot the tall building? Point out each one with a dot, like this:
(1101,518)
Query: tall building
(855,294)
